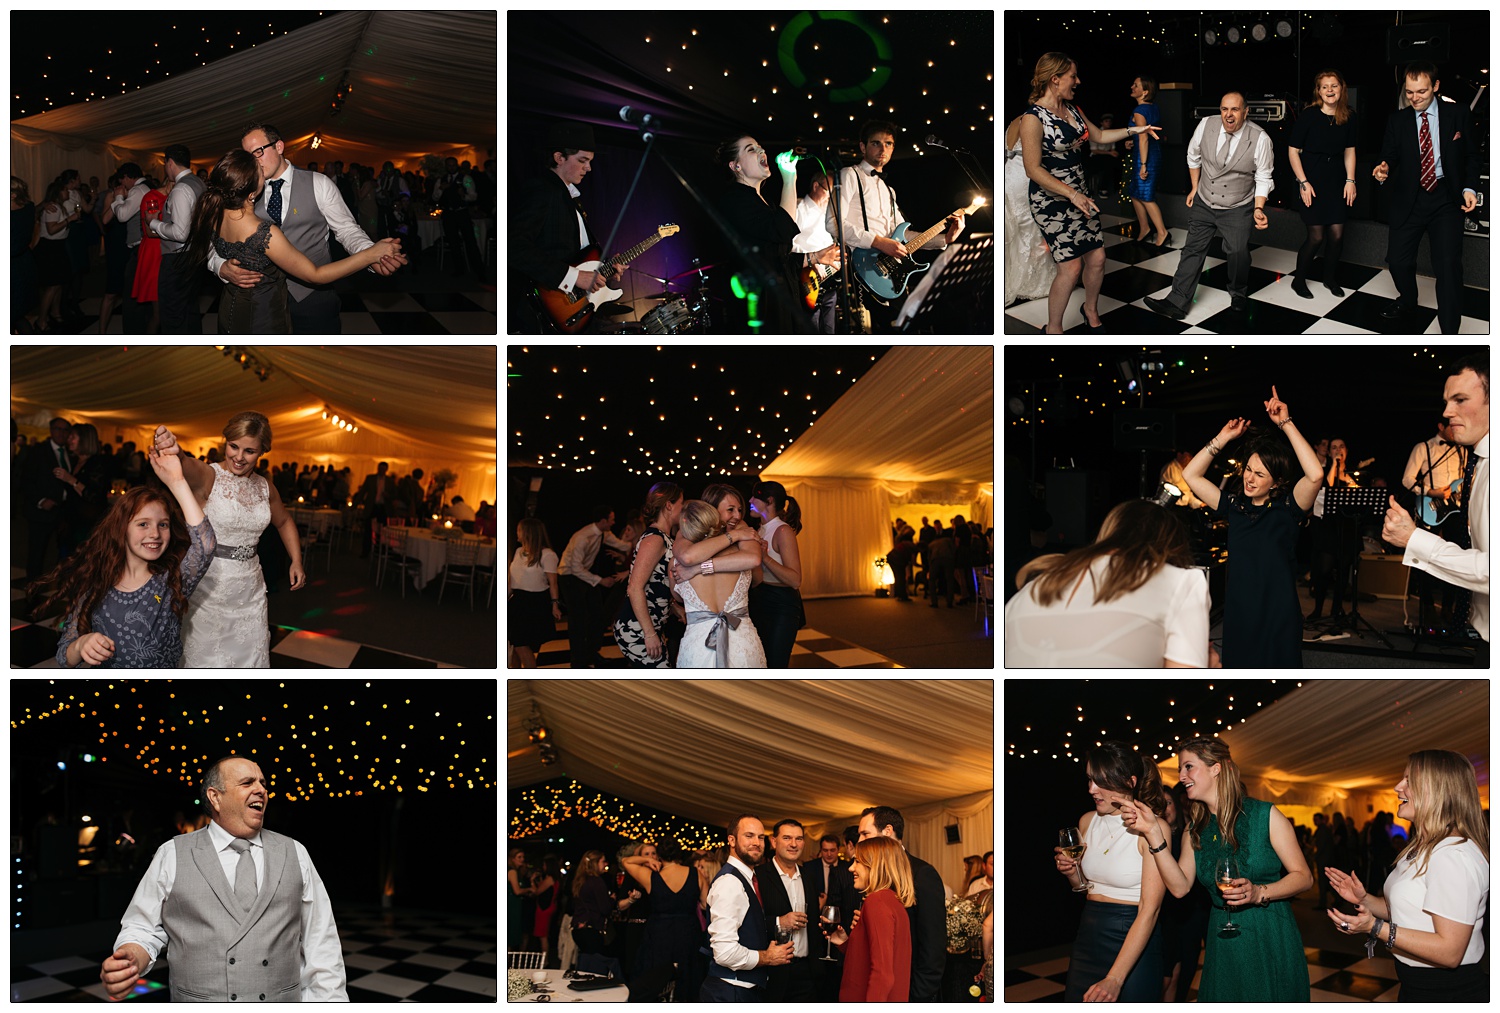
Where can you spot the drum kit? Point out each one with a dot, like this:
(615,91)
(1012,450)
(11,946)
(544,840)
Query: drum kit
(685,312)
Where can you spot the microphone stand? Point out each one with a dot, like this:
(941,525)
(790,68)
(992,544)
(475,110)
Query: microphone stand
(845,316)
(989,187)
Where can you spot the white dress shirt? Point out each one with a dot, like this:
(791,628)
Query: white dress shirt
(728,903)
(323,975)
(176,222)
(792,883)
(570,276)
(1264,155)
(583,548)
(1447,467)
(880,205)
(1466,568)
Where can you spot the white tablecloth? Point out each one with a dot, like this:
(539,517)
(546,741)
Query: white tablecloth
(320,522)
(561,992)
(430,230)
(422,545)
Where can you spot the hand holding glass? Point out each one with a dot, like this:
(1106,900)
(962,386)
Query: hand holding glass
(829,916)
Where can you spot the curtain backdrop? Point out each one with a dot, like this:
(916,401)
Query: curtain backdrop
(919,423)
(811,750)
(427,407)
(421,83)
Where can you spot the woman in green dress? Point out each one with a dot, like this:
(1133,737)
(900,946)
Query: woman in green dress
(1264,961)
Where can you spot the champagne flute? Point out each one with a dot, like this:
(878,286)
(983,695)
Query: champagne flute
(829,917)
(1226,871)
(1073,845)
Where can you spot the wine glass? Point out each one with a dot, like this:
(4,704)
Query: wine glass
(830,917)
(1073,845)
(1226,871)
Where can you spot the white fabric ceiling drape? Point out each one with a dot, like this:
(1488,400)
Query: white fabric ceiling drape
(812,750)
(425,407)
(422,82)
(1344,743)
(921,418)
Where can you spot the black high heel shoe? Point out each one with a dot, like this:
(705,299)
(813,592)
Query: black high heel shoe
(1085,314)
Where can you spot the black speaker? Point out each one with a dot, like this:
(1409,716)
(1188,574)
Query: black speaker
(1077,501)
(1145,429)
(1424,41)
(952,833)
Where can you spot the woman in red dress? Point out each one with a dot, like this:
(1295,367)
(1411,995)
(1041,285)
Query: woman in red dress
(877,957)
(148,264)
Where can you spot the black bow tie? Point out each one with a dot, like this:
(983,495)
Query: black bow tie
(876,174)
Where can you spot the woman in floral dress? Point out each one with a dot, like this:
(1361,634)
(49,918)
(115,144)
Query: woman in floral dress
(1054,135)
(649,596)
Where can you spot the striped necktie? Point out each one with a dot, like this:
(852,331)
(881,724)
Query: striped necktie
(1429,163)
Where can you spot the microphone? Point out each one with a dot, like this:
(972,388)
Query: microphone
(639,118)
(933,141)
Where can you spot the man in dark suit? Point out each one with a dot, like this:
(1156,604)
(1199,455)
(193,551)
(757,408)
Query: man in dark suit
(1431,155)
(830,882)
(377,493)
(929,916)
(549,227)
(789,903)
(43,493)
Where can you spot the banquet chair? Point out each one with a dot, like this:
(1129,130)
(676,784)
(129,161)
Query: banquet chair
(524,960)
(393,542)
(985,599)
(459,567)
(311,541)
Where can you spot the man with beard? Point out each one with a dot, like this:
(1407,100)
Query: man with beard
(242,909)
(788,901)
(737,930)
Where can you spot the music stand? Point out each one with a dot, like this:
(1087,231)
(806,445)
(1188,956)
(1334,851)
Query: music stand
(963,286)
(1370,503)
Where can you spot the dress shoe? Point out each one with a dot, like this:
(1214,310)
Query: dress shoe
(1300,287)
(1393,312)
(1165,308)
(1239,303)
(1085,314)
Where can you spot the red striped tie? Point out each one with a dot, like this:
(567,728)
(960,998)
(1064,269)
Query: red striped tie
(1429,164)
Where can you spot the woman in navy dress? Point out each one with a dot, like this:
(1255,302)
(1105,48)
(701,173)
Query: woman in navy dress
(672,923)
(1144,173)
(1321,151)
(1054,136)
(1262,617)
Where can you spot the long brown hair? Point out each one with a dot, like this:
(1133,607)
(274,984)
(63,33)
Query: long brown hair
(1112,765)
(1445,797)
(533,539)
(232,183)
(85,577)
(1341,107)
(588,868)
(1142,537)
(1231,791)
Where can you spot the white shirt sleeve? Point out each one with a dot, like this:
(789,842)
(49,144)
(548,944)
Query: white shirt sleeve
(1187,622)
(729,904)
(1457,885)
(1195,147)
(1466,568)
(340,222)
(323,974)
(142,922)
(1265,165)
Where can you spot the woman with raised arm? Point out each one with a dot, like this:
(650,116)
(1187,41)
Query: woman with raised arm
(1432,915)
(1253,953)
(1262,617)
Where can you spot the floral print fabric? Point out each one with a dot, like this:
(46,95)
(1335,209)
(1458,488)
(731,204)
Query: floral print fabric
(1067,230)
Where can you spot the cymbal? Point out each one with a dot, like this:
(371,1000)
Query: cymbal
(659,295)
(703,267)
(614,309)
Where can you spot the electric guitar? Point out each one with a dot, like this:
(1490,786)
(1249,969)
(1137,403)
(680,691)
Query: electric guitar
(812,278)
(571,311)
(887,276)
(1429,506)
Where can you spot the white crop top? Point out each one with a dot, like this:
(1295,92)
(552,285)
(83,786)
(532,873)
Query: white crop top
(1112,863)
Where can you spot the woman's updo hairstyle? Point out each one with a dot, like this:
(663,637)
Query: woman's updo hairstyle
(727,151)
(699,521)
(1112,764)
(1049,66)
(251,424)
(661,496)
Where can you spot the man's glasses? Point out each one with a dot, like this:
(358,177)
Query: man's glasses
(255,153)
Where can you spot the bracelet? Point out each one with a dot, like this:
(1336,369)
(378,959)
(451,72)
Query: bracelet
(1301,182)
(1390,943)
(1213,448)
(1282,425)
(707,566)
(1165,841)
(1374,932)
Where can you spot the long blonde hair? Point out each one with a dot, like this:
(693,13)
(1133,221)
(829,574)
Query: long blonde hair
(889,867)
(1049,66)
(1445,798)
(1231,791)
(588,868)
(1138,536)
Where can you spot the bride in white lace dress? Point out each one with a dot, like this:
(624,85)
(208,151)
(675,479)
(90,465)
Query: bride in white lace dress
(719,632)
(226,624)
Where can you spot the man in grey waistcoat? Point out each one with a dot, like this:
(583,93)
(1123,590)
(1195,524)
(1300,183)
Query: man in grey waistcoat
(1230,161)
(240,910)
(135,316)
(176,283)
(306,206)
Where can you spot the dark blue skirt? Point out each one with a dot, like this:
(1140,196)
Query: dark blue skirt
(1101,933)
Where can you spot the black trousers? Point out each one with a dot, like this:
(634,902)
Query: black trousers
(1439,218)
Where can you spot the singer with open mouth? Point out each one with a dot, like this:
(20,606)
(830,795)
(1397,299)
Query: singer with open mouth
(1432,915)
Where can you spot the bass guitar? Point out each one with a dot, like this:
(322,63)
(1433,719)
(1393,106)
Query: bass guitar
(887,276)
(571,311)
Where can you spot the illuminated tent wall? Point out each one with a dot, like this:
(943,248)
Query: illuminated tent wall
(919,427)
(421,82)
(705,749)
(1341,745)
(430,407)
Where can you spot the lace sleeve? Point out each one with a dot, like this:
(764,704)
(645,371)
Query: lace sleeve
(70,634)
(199,556)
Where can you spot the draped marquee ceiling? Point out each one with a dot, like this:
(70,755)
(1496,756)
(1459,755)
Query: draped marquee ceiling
(707,748)
(1330,739)
(422,82)
(918,427)
(417,407)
